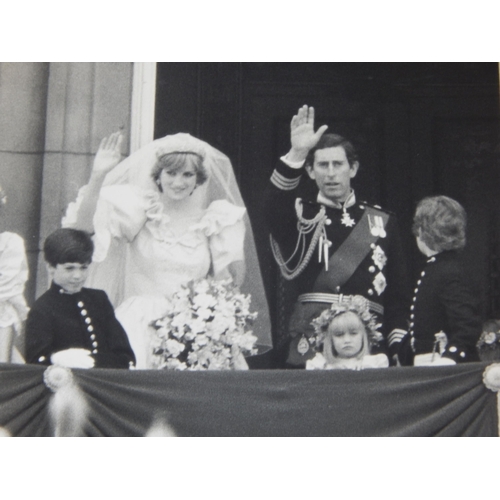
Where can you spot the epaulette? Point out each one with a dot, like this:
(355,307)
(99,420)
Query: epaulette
(377,207)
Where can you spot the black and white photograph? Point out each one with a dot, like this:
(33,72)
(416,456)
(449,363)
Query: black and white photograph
(282,244)
(236,248)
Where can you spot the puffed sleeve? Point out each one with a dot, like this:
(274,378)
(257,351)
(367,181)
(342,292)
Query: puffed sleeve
(13,276)
(121,212)
(13,265)
(224,226)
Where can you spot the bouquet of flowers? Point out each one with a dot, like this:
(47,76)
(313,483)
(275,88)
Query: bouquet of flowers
(207,327)
(488,345)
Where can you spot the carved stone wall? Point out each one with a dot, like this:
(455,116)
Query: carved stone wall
(52,117)
(23,103)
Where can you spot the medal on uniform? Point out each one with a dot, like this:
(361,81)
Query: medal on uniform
(347,220)
(377,226)
(303,345)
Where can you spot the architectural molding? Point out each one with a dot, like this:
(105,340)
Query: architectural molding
(143,105)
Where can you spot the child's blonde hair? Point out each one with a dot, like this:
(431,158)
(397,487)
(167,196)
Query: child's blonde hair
(323,326)
(329,350)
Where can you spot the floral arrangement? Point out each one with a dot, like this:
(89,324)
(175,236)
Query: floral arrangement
(354,303)
(207,327)
(488,345)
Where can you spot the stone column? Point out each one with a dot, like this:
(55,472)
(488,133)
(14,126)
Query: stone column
(23,103)
(86,102)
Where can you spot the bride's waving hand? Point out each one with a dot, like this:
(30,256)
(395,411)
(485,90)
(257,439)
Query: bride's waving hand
(107,157)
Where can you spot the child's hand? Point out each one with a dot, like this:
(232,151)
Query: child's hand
(432,360)
(73,358)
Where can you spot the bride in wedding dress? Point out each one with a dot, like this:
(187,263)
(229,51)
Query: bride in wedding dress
(170,213)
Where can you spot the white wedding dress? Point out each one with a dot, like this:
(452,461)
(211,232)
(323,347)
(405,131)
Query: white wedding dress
(143,254)
(160,257)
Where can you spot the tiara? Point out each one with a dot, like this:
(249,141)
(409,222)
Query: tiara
(182,143)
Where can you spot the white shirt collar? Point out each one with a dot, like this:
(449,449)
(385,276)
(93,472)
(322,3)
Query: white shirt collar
(349,202)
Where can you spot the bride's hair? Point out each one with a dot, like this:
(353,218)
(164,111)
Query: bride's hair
(176,161)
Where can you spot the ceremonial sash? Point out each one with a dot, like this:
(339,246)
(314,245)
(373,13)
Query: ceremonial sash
(344,262)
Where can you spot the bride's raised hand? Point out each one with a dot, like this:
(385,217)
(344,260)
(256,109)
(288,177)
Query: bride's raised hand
(108,155)
(302,134)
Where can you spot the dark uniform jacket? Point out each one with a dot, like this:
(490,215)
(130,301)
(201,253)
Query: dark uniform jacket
(443,301)
(381,277)
(59,321)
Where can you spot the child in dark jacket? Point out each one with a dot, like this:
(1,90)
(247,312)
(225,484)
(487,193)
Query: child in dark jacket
(70,325)
(444,323)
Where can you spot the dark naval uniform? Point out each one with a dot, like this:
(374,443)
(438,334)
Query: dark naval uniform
(59,321)
(362,245)
(442,302)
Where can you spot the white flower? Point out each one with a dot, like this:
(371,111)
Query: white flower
(220,324)
(204,313)
(201,287)
(175,364)
(192,357)
(245,341)
(197,325)
(174,348)
(490,338)
(188,336)
(162,332)
(204,301)
(181,319)
(225,309)
(213,334)
(201,340)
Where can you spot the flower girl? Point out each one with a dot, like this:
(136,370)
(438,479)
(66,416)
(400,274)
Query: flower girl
(346,331)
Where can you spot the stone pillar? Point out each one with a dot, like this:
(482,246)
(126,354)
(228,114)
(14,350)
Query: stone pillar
(86,102)
(23,102)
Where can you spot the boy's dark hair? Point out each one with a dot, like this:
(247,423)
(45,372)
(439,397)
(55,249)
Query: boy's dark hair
(68,245)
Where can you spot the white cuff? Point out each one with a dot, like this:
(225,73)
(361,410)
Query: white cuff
(292,164)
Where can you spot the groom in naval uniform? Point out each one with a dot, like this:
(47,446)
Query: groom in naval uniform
(333,245)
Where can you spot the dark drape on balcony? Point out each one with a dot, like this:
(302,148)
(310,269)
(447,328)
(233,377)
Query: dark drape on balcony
(438,401)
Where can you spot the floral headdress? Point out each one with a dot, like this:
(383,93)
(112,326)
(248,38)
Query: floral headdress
(488,345)
(348,303)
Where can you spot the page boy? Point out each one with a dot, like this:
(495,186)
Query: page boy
(71,325)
